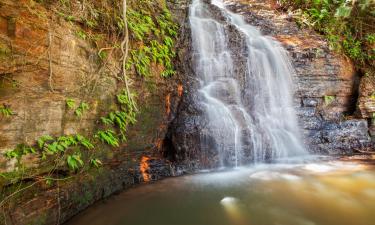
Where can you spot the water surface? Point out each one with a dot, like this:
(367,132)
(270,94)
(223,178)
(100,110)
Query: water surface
(333,192)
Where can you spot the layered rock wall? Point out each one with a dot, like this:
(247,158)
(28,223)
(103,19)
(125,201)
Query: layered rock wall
(44,61)
(326,84)
(326,91)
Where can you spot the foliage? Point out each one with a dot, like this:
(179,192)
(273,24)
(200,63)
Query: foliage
(6,111)
(81,109)
(329,99)
(5,51)
(109,137)
(157,41)
(126,115)
(81,34)
(49,146)
(146,21)
(95,163)
(19,151)
(74,161)
(347,24)
(152,35)
(140,24)
(70,103)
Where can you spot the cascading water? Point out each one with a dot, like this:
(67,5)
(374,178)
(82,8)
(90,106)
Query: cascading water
(248,95)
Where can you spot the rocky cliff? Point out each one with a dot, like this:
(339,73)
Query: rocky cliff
(46,60)
(59,77)
(327,86)
(327,89)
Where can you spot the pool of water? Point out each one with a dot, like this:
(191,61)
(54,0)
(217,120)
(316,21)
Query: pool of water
(328,192)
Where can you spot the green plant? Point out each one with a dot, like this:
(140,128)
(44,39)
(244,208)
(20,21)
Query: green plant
(51,146)
(95,163)
(109,137)
(141,60)
(71,103)
(19,151)
(74,161)
(68,18)
(5,51)
(81,109)
(346,24)
(84,141)
(370,38)
(123,117)
(6,111)
(328,99)
(81,34)
(159,49)
(343,11)
(353,47)
(139,23)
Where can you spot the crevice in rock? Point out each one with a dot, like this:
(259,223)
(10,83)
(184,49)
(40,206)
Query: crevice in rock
(169,151)
(353,103)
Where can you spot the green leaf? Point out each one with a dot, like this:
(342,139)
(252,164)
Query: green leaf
(108,137)
(42,140)
(70,103)
(74,161)
(329,99)
(96,163)
(343,11)
(6,111)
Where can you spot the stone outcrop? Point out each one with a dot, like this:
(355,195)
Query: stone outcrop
(44,62)
(327,86)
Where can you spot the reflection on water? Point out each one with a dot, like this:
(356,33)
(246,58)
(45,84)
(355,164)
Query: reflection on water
(326,193)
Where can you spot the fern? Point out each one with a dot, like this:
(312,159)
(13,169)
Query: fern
(43,140)
(81,109)
(140,25)
(84,141)
(19,151)
(141,61)
(6,111)
(108,137)
(70,103)
(74,161)
(95,163)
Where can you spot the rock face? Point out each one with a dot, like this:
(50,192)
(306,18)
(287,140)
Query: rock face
(325,99)
(43,62)
(326,83)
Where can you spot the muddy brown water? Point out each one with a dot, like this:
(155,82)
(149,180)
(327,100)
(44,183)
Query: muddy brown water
(328,192)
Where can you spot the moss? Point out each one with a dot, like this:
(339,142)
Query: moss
(345,24)
(5,51)
(328,99)
(40,220)
(149,119)
(83,197)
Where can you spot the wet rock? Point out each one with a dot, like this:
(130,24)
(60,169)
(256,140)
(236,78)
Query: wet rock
(326,88)
(366,99)
(320,74)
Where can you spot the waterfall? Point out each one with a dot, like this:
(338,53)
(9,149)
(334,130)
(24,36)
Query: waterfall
(247,91)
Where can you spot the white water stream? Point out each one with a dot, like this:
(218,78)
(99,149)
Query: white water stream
(249,109)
